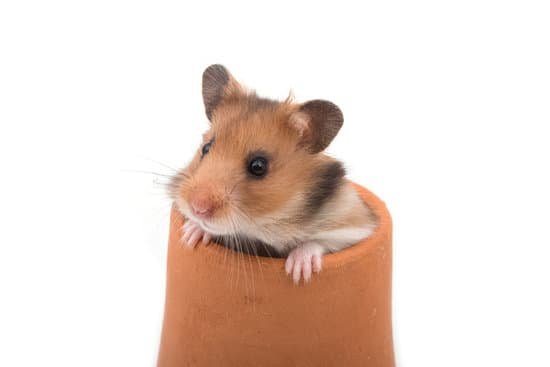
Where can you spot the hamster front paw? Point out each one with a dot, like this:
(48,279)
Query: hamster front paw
(193,233)
(303,261)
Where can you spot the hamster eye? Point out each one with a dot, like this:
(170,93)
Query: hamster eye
(257,166)
(206,147)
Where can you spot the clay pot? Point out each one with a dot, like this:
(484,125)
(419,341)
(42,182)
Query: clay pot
(228,309)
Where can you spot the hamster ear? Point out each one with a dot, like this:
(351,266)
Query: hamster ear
(217,84)
(317,122)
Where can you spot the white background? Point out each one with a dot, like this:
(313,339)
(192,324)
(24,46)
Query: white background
(446,106)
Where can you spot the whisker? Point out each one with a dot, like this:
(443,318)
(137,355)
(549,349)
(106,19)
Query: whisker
(162,164)
(146,172)
(241,254)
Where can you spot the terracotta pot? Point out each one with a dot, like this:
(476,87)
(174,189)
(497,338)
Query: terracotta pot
(226,309)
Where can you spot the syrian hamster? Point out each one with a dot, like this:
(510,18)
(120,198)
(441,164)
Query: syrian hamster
(260,178)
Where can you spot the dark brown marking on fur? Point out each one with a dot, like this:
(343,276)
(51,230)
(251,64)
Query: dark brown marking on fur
(328,179)
(251,104)
(256,103)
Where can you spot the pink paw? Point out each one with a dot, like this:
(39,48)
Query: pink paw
(193,233)
(303,261)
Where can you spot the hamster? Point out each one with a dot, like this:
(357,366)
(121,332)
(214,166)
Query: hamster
(260,178)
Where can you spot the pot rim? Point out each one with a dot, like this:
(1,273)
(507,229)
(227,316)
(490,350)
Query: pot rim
(374,242)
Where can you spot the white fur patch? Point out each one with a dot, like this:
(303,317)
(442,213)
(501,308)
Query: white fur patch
(337,239)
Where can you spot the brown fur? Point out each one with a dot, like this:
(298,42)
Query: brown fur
(243,125)
(291,136)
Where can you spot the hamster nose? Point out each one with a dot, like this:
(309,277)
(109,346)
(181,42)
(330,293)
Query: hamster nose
(202,207)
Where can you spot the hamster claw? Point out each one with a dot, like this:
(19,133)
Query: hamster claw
(193,234)
(303,261)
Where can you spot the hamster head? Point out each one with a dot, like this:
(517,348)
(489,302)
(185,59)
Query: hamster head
(258,160)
